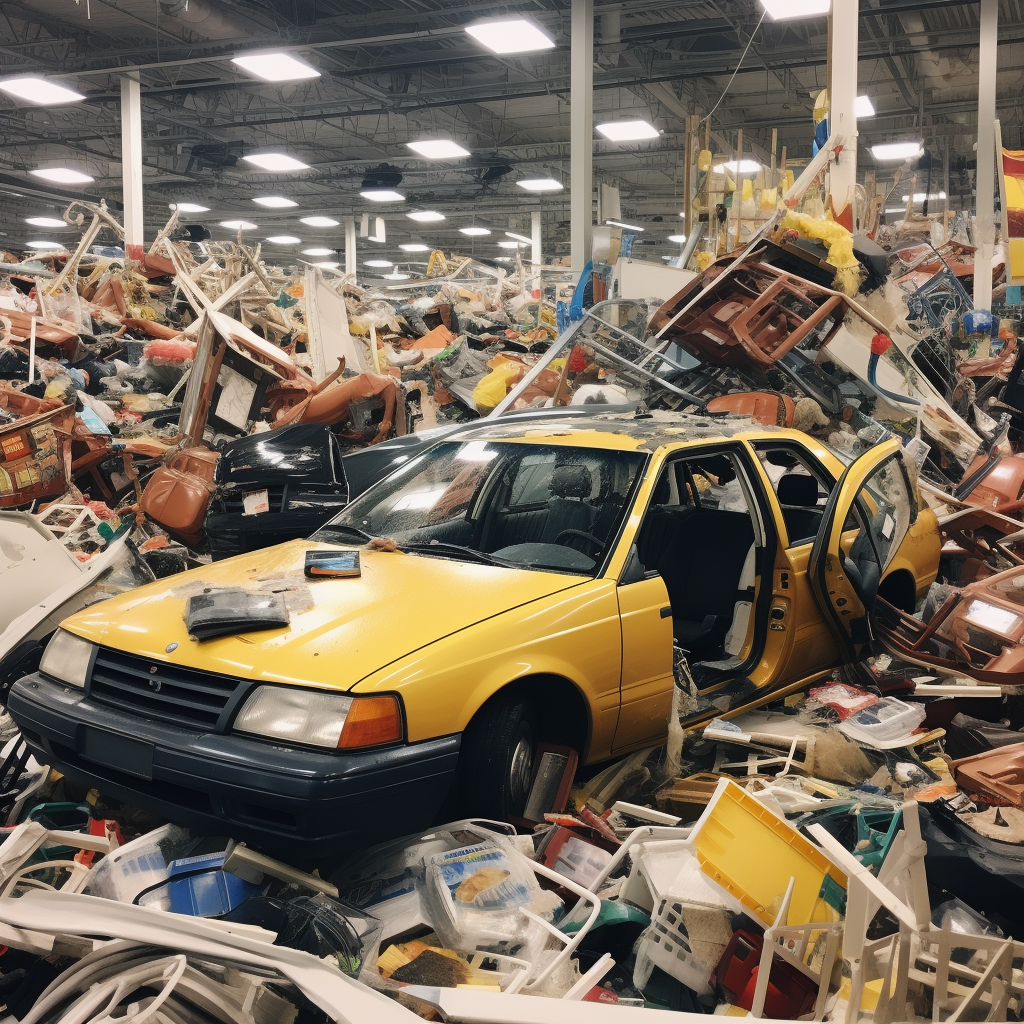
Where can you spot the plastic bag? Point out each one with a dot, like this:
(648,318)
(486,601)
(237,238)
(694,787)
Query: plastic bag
(493,388)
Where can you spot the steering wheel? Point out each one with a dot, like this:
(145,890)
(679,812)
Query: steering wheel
(589,537)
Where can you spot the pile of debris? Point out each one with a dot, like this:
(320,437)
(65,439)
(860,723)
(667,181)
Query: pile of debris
(886,886)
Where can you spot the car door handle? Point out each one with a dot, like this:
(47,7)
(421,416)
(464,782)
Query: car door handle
(666,613)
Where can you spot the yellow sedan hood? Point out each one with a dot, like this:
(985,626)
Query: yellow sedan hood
(341,629)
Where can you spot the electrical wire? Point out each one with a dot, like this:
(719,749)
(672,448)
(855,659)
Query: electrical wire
(739,64)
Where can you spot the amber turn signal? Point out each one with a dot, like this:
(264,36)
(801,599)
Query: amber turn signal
(370,722)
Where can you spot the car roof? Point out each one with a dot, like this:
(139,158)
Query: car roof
(629,432)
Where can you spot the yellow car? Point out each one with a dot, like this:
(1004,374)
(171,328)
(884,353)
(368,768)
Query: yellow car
(539,579)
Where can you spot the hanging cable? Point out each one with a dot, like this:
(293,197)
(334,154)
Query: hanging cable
(728,85)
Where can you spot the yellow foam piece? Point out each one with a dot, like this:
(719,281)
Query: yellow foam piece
(704,160)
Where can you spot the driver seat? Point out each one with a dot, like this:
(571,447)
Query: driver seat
(568,509)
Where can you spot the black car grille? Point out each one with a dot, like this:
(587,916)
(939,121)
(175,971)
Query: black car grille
(173,693)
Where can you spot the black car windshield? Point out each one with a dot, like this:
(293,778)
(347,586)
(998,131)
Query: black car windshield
(525,504)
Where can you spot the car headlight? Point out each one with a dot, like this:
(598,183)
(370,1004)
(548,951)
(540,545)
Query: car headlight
(321,719)
(67,657)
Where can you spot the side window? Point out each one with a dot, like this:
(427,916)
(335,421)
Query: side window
(801,488)
(888,508)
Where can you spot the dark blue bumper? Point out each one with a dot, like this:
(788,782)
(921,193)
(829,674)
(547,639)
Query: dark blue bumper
(267,794)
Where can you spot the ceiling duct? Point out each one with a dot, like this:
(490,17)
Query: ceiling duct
(495,173)
(382,176)
(204,19)
(217,155)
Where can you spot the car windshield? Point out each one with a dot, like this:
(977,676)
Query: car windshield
(523,504)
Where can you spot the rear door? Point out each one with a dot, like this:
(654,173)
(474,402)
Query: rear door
(867,517)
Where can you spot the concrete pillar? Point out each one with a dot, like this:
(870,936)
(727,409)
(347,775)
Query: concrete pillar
(984,182)
(131,159)
(350,245)
(842,99)
(581,133)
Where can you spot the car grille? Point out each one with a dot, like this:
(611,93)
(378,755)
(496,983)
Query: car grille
(182,696)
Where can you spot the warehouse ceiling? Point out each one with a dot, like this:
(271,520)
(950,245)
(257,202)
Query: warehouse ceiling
(394,71)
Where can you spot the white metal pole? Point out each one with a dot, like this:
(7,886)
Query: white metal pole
(131,158)
(350,245)
(32,351)
(842,102)
(581,133)
(984,185)
(535,253)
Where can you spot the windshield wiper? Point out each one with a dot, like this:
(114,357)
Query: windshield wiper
(344,528)
(454,551)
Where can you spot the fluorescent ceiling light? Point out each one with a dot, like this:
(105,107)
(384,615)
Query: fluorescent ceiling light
(47,245)
(784,10)
(475,231)
(318,252)
(62,175)
(508,244)
(519,238)
(238,225)
(320,222)
(895,209)
(382,195)
(510,35)
(414,247)
(540,184)
(377,263)
(425,215)
(327,264)
(438,149)
(897,150)
(628,131)
(275,67)
(275,202)
(284,240)
(863,107)
(503,259)
(628,227)
(397,276)
(744,167)
(677,238)
(188,207)
(33,89)
(276,162)
(46,222)
(919,197)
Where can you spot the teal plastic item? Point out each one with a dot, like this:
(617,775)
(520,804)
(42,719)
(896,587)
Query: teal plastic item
(610,913)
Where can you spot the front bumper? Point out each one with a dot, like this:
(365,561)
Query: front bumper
(259,791)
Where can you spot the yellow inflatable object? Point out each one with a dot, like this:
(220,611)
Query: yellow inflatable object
(840,247)
(493,388)
(704,160)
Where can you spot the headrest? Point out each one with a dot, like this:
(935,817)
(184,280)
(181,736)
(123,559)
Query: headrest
(798,489)
(572,481)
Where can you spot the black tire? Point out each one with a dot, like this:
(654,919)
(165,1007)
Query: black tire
(498,757)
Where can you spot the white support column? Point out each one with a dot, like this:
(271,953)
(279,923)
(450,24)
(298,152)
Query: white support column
(581,133)
(131,158)
(842,101)
(984,181)
(350,245)
(535,252)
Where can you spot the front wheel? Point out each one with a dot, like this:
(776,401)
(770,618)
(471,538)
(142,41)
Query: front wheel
(497,760)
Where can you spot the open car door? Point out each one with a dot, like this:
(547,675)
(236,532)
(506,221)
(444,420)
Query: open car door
(868,515)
